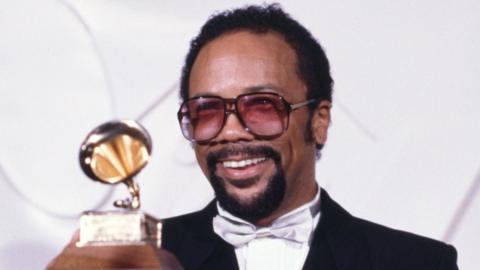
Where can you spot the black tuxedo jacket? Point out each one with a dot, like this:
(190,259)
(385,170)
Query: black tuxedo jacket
(340,242)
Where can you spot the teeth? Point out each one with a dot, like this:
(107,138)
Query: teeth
(242,163)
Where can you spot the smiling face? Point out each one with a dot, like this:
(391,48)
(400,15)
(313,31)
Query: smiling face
(255,179)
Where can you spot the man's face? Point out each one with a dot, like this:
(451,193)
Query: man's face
(253,178)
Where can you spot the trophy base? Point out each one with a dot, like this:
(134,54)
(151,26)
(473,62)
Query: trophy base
(114,257)
(119,228)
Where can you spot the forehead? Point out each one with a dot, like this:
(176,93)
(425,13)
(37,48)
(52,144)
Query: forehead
(237,62)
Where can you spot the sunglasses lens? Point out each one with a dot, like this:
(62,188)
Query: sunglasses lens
(201,119)
(263,114)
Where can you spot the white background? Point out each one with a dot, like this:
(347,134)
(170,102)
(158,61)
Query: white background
(403,149)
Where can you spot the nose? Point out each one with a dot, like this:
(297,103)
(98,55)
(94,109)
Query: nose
(233,130)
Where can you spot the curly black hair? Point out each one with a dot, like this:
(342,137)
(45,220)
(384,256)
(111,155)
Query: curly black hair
(313,66)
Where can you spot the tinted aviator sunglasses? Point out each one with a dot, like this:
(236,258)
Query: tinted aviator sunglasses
(263,114)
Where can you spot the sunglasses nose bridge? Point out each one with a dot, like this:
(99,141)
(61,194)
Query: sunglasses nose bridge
(231,107)
(232,129)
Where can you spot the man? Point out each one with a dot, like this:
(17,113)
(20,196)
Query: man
(256,91)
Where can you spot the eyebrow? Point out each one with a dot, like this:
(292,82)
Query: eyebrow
(250,89)
(262,87)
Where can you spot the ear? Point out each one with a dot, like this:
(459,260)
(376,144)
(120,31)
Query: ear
(321,121)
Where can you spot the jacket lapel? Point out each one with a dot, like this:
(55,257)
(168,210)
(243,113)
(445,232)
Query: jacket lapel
(196,245)
(337,244)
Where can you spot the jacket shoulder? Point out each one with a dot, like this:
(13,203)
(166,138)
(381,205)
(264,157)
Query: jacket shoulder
(185,220)
(396,249)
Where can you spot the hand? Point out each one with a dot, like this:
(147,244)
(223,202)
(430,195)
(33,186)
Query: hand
(112,257)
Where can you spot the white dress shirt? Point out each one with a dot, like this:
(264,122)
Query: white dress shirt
(265,251)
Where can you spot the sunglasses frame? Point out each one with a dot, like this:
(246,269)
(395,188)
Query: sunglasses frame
(230,107)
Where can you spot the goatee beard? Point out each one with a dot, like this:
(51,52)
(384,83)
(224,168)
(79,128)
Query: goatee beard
(260,205)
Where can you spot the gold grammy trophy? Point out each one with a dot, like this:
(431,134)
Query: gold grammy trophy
(127,238)
(114,153)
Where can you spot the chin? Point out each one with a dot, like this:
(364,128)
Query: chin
(255,206)
(246,200)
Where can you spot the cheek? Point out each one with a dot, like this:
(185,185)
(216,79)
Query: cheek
(201,156)
(287,146)
(295,147)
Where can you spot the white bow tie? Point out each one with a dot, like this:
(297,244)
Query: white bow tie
(296,226)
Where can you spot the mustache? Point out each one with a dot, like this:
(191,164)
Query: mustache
(266,151)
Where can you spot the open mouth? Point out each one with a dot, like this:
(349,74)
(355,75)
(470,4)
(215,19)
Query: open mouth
(240,169)
(241,164)
(245,166)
